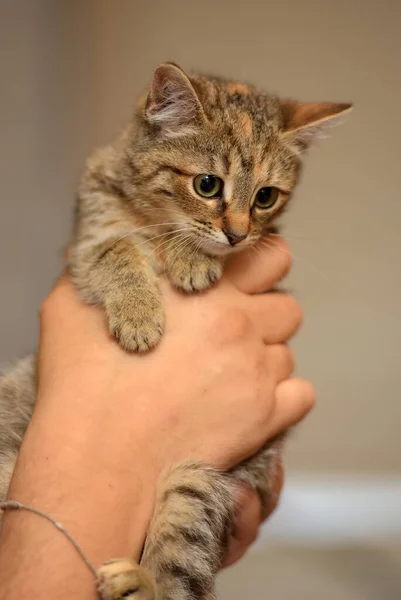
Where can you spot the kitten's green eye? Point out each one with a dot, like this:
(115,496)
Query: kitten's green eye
(208,186)
(266,197)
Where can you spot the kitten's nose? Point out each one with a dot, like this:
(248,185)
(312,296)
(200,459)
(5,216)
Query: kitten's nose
(234,237)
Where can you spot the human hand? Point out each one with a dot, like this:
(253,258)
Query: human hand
(222,407)
(107,423)
(249,518)
(214,390)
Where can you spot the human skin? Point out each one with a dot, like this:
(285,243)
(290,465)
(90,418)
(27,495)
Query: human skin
(107,423)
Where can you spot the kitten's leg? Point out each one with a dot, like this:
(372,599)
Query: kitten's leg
(189,532)
(123,579)
(193,520)
(116,275)
(192,271)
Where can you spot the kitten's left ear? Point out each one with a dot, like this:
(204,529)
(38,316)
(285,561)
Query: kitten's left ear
(303,123)
(172,102)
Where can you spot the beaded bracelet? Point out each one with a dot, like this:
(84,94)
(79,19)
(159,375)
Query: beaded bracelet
(117,579)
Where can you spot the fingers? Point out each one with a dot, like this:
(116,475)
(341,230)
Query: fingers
(254,272)
(294,399)
(280,362)
(278,316)
(249,516)
(247,524)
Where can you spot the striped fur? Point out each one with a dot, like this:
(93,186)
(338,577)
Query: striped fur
(137,215)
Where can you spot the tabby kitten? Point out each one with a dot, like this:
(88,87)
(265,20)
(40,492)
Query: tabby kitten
(204,169)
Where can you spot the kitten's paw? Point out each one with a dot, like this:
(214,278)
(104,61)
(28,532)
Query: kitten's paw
(195,274)
(123,578)
(137,325)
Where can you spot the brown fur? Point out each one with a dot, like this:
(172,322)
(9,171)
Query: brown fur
(138,215)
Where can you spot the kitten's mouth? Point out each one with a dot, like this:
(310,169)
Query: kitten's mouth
(217,246)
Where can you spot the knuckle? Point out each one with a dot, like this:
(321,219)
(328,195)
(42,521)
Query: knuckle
(255,365)
(280,361)
(233,325)
(289,314)
(285,357)
(302,397)
(296,313)
(309,395)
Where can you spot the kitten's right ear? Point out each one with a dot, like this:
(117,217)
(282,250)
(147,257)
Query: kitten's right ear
(172,102)
(303,123)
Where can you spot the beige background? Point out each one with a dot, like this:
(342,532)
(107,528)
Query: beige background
(70,72)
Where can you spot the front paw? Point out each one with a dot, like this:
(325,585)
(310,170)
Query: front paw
(137,323)
(195,274)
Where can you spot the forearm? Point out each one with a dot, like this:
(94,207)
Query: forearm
(70,469)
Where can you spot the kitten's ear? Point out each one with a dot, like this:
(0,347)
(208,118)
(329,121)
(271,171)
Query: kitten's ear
(303,123)
(172,102)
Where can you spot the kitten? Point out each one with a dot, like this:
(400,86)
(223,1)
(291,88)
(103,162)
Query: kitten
(204,169)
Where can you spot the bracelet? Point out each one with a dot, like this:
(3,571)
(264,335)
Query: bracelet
(118,579)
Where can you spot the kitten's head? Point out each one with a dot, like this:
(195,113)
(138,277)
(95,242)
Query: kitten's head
(219,157)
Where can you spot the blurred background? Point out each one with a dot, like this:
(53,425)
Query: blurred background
(70,71)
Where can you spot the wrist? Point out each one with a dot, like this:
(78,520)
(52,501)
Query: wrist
(72,467)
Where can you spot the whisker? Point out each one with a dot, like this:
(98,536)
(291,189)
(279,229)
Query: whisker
(198,246)
(171,244)
(183,247)
(175,251)
(133,231)
(161,235)
(293,236)
(177,236)
(276,247)
(257,251)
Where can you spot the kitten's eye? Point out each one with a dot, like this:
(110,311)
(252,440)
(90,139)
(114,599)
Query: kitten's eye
(266,197)
(208,186)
